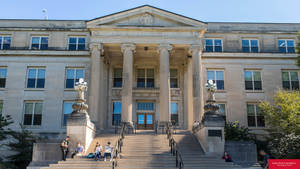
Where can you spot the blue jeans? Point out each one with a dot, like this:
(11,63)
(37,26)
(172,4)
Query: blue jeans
(97,156)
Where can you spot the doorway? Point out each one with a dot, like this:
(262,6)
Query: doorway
(145,121)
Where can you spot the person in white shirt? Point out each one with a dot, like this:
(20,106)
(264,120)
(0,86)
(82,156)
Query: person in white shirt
(98,152)
(108,151)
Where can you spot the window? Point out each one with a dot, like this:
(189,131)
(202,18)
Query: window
(217,76)
(72,76)
(5,42)
(1,107)
(117,109)
(145,78)
(39,43)
(173,78)
(252,80)
(118,72)
(255,116)
(250,45)
(33,113)
(76,43)
(67,111)
(222,110)
(286,46)
(290,80)
(213,45)
(174,113)
(36,77)
(145,106)
(3,72)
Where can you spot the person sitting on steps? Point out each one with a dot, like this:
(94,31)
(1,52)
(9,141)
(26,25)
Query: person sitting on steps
(79,149)
(98,152)
(226,157)
(108,151)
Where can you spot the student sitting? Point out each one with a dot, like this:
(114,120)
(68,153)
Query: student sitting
(98,152)
(79,150)
(226,157)
(108,151)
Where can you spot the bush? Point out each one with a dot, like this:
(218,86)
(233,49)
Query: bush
(235,132)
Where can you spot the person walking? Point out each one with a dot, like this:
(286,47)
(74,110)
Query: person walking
(65,147)
(266,158)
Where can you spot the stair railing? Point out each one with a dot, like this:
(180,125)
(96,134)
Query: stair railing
(118,147)
(174,148)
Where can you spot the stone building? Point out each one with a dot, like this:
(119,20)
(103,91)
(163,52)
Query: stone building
(143,65)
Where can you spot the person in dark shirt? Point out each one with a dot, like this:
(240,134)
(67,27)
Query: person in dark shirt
(226,157)
(65,147)
(266,158)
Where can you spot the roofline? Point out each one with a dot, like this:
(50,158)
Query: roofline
(147,6)
(257,22)
(41,20)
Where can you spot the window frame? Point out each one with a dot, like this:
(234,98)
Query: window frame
(76,44)
(145,78)
(36,77)
(255,116)
(177,114)
(286,46)
(250,45)
(34,102)
(5,68)
(112,114)
(40,42)
(145,111)
(225,108)
(290,79)
(75,68)
(213,45)
(2,41)
(252,79)
(215,77)
(113,74)
(177,78)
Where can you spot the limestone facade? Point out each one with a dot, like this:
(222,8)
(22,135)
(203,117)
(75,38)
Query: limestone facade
(144,39)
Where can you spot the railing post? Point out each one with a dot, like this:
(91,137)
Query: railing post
(176,159)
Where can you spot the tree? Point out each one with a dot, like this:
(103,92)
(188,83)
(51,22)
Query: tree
(284,115)
(235,132)
(22,145)
(5,121)
(283,119)
(298,49)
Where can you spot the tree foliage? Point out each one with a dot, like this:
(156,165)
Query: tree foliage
(235,132)
(5,121)
(283,116)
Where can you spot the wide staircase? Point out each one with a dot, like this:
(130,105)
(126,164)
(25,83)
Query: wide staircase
(147,150)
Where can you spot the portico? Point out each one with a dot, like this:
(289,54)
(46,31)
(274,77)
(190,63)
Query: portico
(133,53)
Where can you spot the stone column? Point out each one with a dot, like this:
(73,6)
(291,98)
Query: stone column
(196,51)
(127,49)
(94,89)
(164,79)
(188,95)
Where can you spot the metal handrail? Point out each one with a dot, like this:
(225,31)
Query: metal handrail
(174,148)
(118,147)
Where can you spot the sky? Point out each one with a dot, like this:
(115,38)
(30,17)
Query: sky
(278,11)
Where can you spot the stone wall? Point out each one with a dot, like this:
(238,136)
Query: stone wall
(242,152)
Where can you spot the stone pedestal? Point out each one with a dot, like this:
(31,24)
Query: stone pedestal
(80,129)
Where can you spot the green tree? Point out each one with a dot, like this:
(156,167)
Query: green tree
(298,49)
(5,121)
(22,145)
(283,116)
(235,132)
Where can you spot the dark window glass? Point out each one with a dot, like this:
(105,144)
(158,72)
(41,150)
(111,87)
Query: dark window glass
(290,46)
(257,85)
(286,84)
(118,73)
(44,46)
(117,109)
(251,115)
(174,119)
(6,42)
(209,49)
(248,85)
(173,83)
(27,119)
(260,121)
(35,46)
(218,48)
(174,113)
(67,111)
(72,46)
(141,82)
(150,83)
(31,78)
(209,45)
(81,46)
(33,113)
(70,83)
(37,120)
(73,76)
(246,49)
(2,77)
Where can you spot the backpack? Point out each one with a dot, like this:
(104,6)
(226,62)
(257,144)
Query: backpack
(90,155)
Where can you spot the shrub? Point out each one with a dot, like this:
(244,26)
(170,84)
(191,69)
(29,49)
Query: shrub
(235,132)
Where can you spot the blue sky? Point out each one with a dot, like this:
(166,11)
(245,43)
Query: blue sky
(205,10)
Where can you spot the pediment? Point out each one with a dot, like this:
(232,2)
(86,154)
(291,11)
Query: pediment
(145,16)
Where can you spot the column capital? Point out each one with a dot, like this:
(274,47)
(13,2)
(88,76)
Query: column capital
(128,46)
(195,47)
(97,46)
(164,46)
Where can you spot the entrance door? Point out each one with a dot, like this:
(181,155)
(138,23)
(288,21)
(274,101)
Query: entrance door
(145,121)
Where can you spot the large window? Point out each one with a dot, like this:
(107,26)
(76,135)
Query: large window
(33,113)
(67,111)
(2,77)
(290,80)
(145,78)
(118,72)
(36,77)
(250,45)
(5,42)
(39,43)
(217,76)
(286,46)
(174,113)
(117,109)
(173,78)
(255,116)
(252,80)
(145,106)
(213,45)
(77,43)
(222,110)
(1,107)
(72,76)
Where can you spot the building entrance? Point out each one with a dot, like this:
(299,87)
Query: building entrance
(145,121)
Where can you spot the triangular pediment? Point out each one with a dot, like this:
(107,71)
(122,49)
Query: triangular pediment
(145,16)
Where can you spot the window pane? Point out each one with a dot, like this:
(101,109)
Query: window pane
(27,119)
(79,74)
(173,83)
(220,75)
(220,84)
(72,46)
(145,106)
(173,73)
(294,76)
(44,40)
(295,85)
(44,46)
(141,82)
(291,50)
(117,107)
(218,48)
(250,109)
(174,119)
(141,73)
(150,83)
(35,40)
(254,43)
(257,85)
(260,121)
(1,107)
(218,42)
(116,119)
(290,43)
(3,73)
(286,84)
(41,73)
(251,121)
(248,76)
(0,40)
(32,73)
(254,49)
(208,42)
(81,46)
(38,108)
(150,73)
(28,108)
(174,108)
(210,75)
(81,40)
(6,42)
(245,43)
(285,76)
(281,43)
(37,120)
(209,49)
(118,73)
(72,40)
(70,73)
(222,110)
(118,82)
(67,111)
(256,76)
(246,49)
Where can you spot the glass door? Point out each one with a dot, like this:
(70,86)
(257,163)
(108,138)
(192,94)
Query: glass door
(145,121)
